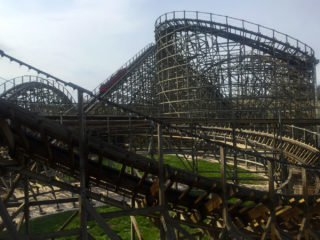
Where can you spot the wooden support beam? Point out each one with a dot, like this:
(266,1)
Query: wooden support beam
(131,212)
(182,230)
(122,171)
(141,181)
(67,222)
(167,224)
(82,170)
(136,227)
(304,230)
(71,153)
(20,222)
(26,206)
(6,134)
(71,188)
(47,147)
(101,222)
(5,197)
(8,222)
(14,214)
(43,202)
(229,227)
(185,192)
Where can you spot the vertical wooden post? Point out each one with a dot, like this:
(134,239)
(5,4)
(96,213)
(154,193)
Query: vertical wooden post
(271,188)
(224,183)
(235,160)
(161,177)
(160,167)
(304,228)
(273,229)
(132,232)
(194,165)
(26,206)
(8,221)
(108,130)
(82,199)
(305,193)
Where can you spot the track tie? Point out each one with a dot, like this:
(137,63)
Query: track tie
(233,207)
(213,203)
(283,210)
(292,200)
(199,200)
(245,209)
(259,211)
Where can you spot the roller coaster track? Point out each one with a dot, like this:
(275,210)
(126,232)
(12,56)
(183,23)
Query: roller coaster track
(294,150)
(247,64)
(288,149)
(37,94)
(278,44)
(128,67)
(27,132)
(219,207)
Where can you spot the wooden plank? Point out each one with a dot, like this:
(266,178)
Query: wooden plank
(213,204)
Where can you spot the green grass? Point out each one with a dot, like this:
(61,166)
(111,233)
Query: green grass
(120,225)
(205,168)
(209,169)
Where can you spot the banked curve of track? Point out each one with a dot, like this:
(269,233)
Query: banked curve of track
(269,41)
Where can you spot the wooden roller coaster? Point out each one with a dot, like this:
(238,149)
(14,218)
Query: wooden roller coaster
(32,139)
(195,95)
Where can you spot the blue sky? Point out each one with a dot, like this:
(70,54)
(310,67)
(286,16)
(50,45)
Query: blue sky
(84,41)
